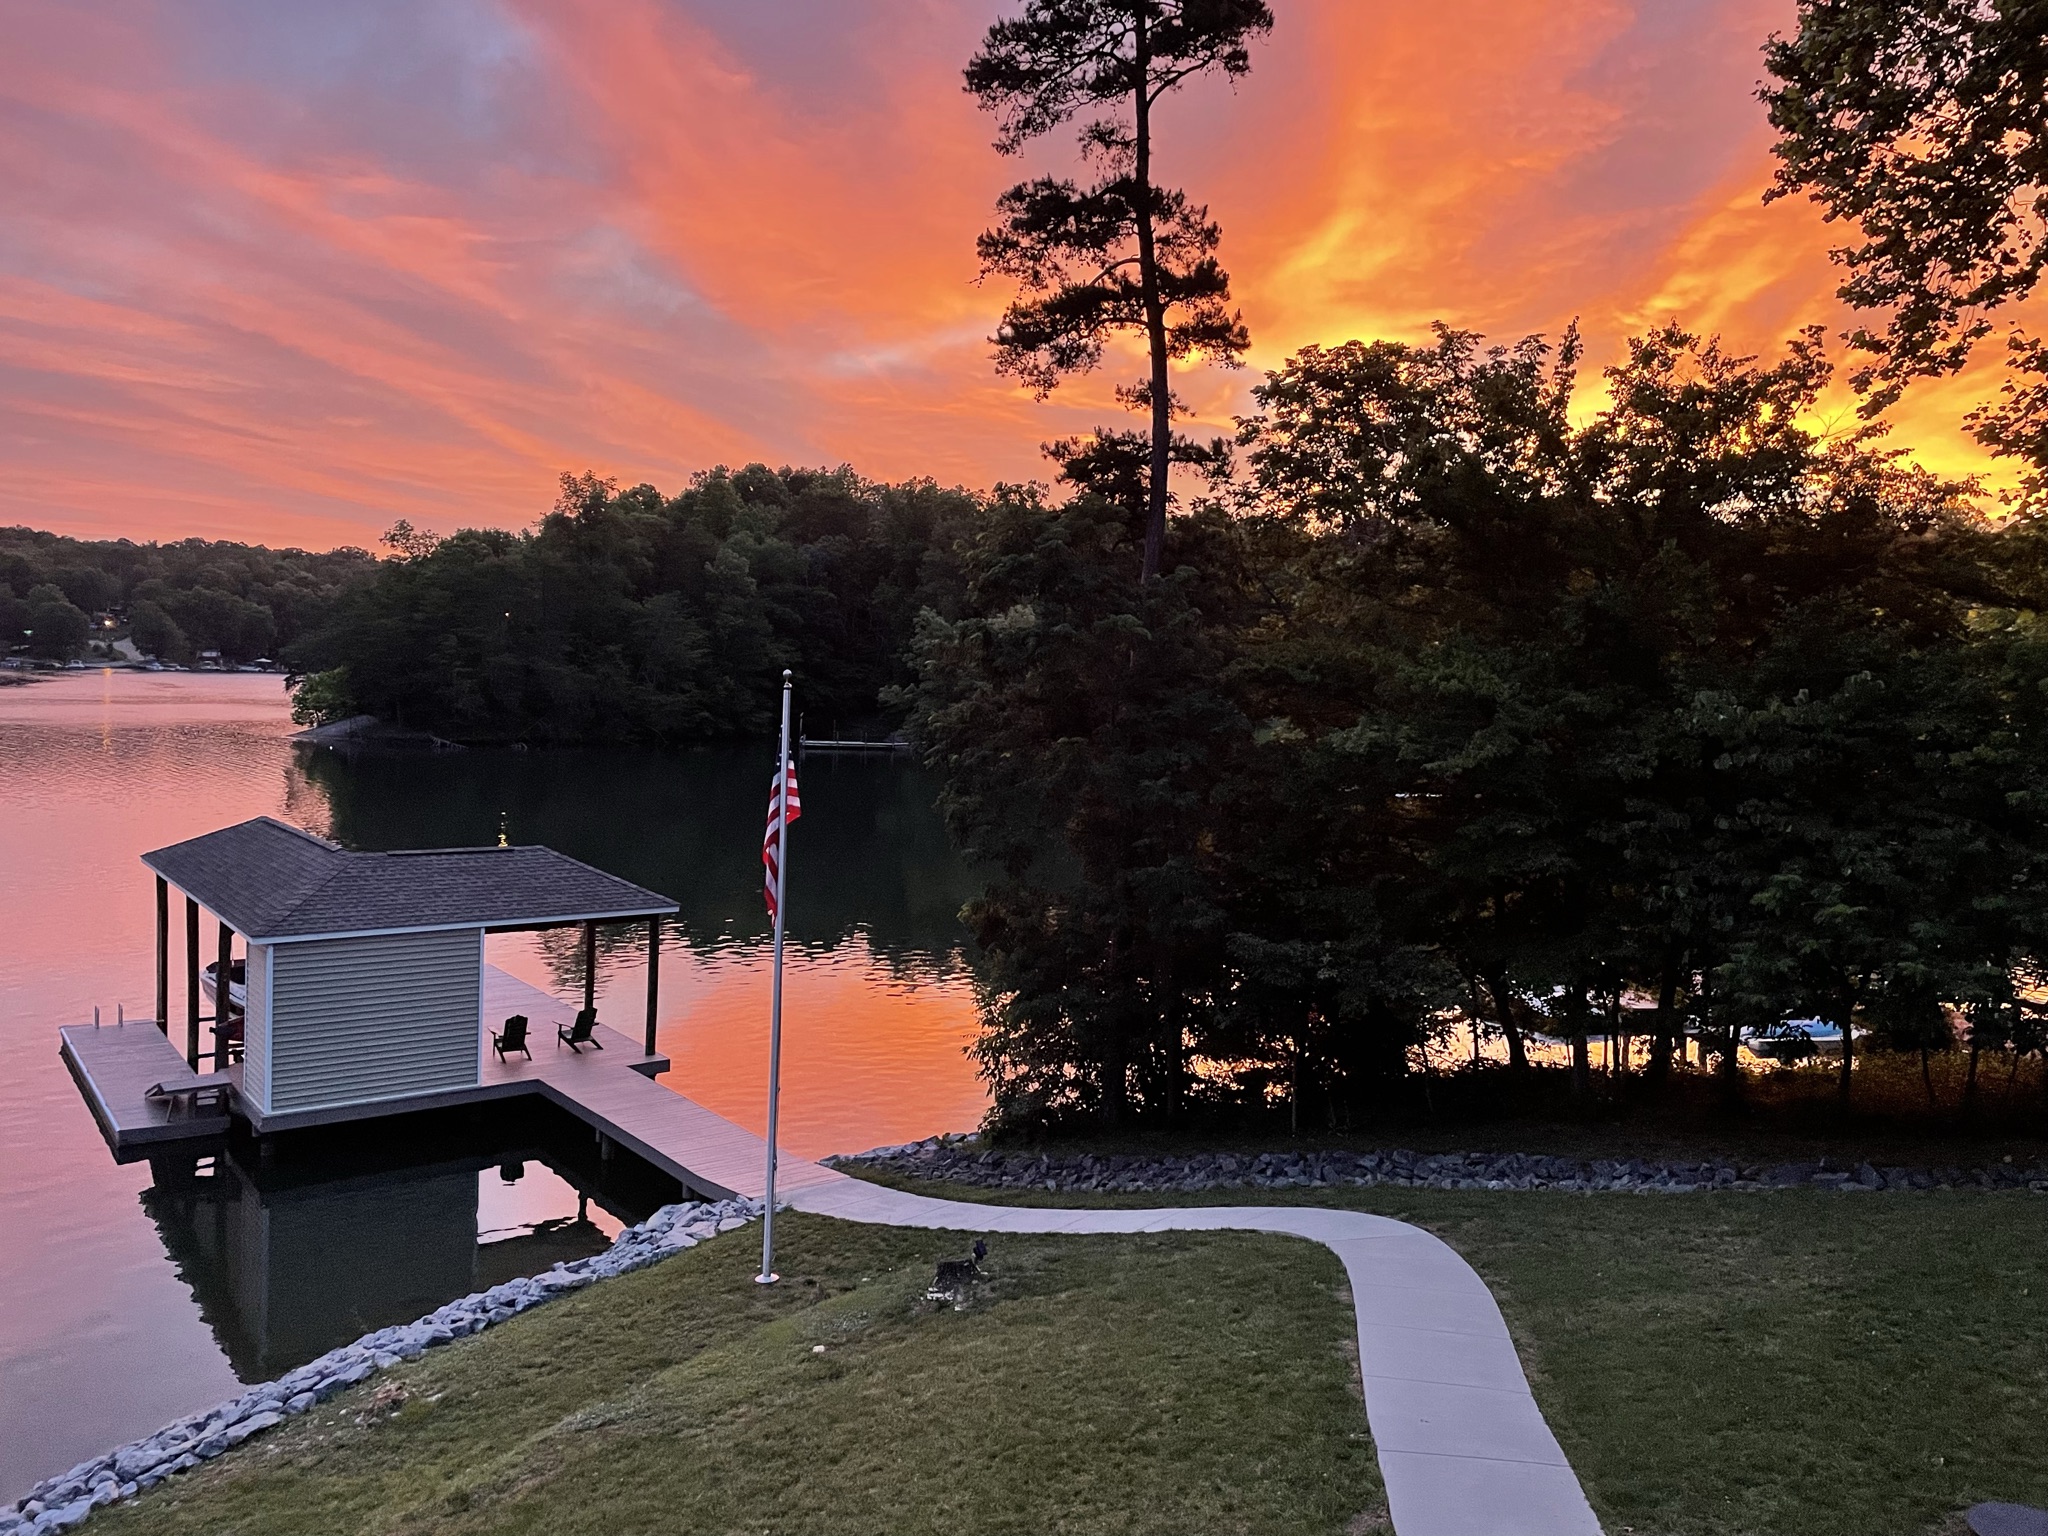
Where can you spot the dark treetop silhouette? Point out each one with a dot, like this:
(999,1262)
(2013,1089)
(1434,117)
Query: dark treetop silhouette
(1122,253)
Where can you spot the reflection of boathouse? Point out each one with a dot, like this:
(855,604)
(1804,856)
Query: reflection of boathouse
(282,1276)
(286,1262)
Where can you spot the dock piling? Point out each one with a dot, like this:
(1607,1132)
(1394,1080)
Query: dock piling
(163,954)
(191,983)
(653,977)
(222,1007)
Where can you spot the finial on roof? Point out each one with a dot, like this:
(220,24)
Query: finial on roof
(503,840)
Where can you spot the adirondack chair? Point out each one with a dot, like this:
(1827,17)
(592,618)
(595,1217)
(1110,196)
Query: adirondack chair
(511,1038)
(579,1034)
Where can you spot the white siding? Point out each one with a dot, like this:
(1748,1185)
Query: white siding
(353,1021)
(256,1028)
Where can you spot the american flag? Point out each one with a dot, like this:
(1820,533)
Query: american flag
(771,841)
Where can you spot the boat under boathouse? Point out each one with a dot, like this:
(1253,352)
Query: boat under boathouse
(363,984)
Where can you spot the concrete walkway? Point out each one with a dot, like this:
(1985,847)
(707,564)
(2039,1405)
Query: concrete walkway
(1462,1445)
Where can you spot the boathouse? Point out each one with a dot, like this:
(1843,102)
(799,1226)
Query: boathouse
(363,973)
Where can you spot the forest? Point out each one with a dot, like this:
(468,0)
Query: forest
(174,600)
(627,616)
(1459,710)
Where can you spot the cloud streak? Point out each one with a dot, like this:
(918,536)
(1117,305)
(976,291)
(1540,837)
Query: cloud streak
(290,273)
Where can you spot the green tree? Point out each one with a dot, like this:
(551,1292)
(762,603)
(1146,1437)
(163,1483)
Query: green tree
(1923,123)
(322,698)
(1549,673)
(156,633)
(58,630)
(1877,860)
(87,587)
(1122,253)
(2015,425)
(627,615)
(408,542)
(212,618)
(293,588)
(1075,715)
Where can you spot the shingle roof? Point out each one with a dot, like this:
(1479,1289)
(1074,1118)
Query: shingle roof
(270,880)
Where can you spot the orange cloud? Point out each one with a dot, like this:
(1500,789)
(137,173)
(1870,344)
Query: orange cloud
(289,275)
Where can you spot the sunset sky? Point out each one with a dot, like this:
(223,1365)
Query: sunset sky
(288,273)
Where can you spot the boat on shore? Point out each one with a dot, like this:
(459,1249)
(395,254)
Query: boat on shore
(1795,1040)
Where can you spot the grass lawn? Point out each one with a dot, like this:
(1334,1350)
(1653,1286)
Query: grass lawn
(1799,1363)
(1802,1363)
(1179,1383)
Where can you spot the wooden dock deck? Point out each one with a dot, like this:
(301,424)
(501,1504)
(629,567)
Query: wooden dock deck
(611,1090)
(115,1065)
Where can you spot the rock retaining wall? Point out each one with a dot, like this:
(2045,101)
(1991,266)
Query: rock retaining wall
(60,1502)
(964,1160)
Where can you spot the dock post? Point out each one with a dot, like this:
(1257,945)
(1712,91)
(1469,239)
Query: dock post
(163,954)
(222,1008)
(590,965)
(192,983)
(653,977)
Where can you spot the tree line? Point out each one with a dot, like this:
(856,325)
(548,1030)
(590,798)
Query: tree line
(1442,706)
(174,600)
(628,616)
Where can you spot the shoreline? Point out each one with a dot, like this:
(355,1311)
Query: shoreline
(67,1498)
(963,1160)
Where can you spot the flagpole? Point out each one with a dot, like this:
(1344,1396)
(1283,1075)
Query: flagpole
(768,1275)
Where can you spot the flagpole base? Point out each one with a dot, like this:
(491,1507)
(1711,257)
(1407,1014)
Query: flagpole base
(766,1279)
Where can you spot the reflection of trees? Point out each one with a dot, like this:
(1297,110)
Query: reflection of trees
(305,794)
(869,857)
(562,950)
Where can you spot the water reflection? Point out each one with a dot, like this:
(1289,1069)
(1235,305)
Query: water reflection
(336,1236)
(879,997)
(870,857)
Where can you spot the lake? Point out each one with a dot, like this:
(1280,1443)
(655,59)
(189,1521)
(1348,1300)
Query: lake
(138,1293)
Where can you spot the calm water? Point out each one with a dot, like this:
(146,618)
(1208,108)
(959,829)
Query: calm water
(134,1294)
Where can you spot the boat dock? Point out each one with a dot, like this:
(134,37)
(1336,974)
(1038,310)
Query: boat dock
(366,995)
(611,1090)
(115,1066)
(827,744)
